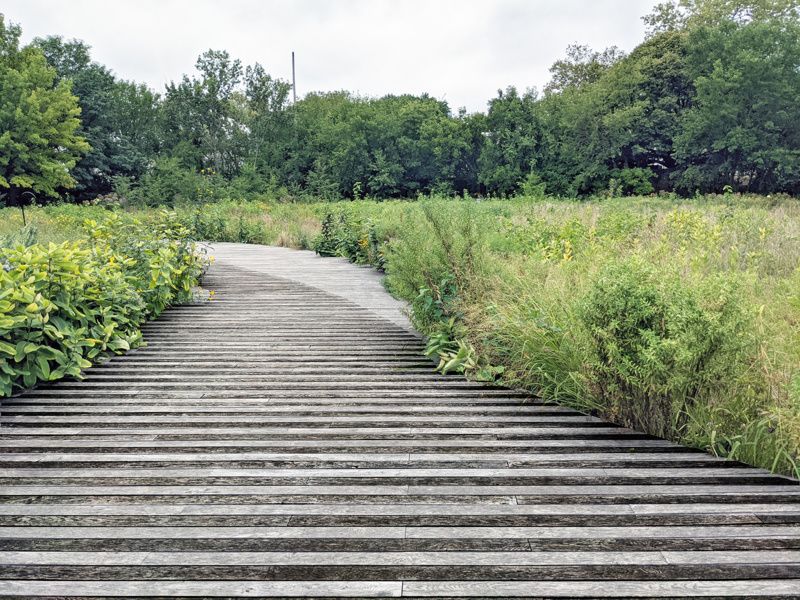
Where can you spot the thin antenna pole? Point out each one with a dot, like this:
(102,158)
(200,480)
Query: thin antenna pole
(294,81)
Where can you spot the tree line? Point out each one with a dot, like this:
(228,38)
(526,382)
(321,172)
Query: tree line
(708,102)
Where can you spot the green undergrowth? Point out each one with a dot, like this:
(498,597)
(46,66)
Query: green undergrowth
(83,294)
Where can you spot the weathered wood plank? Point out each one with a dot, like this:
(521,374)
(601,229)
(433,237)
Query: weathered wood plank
(727,531)
(597,589)
(402,558)
(400,509)
(244,589)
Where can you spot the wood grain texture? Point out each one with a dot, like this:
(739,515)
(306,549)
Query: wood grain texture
(288,439)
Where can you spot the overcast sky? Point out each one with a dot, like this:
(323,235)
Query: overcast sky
(461,51)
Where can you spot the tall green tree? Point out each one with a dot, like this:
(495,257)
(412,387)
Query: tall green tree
(743,129)
(118,119)
(512,148)
(581,67)
(39,120)
(456,142)
(675,15)
(622,126)
(136,121)
(394,146)
(268,121)
(203,116)
(709,100)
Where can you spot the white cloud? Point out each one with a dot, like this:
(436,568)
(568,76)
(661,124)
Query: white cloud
(460,51)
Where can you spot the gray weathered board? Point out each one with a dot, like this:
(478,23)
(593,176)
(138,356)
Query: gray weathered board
(288,439)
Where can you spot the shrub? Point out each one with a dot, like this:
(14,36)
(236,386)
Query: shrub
(662,344)
(635,181)
(170,183)
(346,235)
(532,186)
(441,250)
(64,305)
(208,225)
(339,236)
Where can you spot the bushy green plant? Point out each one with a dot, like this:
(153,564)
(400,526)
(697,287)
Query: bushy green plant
(169,183)
(326,244)
(533,186)
(58,310)
(436,304)
(247,232)
(662,344)
(208,224)
(64,305)
(448,344)
(442,244)
(635,181)
(344,234)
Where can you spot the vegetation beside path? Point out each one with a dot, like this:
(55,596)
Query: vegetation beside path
(66,304)
(678,318)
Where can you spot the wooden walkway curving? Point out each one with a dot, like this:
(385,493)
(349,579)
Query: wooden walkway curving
(287,439)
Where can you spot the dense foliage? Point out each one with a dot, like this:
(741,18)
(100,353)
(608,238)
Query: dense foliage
(707,102)
(117,118)
(38,122)
(64,305)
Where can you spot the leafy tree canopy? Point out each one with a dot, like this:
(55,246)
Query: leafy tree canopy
(707,102)
(39,119)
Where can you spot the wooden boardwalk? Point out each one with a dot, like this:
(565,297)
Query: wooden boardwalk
(289,440)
